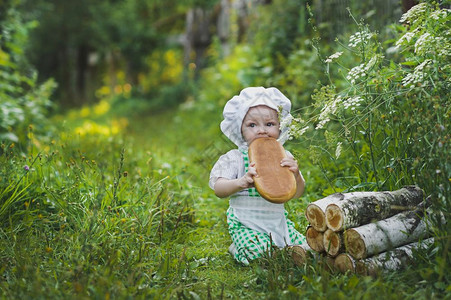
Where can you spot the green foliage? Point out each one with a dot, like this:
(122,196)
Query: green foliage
(117,208)
(79,214)
(23,101)
(392,110)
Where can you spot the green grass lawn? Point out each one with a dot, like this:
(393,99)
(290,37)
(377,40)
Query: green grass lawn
(131,216)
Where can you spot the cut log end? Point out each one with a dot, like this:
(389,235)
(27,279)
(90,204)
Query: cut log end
(344,263)
(362,269)
(316,217)
(334,217)
(332,242)
(329,263)
(314,239)
(299,255)
(354,244)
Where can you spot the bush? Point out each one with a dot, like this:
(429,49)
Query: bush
(388,123)
(23,102)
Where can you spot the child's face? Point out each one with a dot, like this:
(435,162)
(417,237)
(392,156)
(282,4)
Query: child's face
(260,121)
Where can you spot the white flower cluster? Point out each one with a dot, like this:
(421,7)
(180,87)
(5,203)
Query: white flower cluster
(329,109)
(428,44)
(407,37)
(297,131)
(417,76)
(414,13)
(358,38)
(440,14)
(362,69)
(356,72)
(424,42)
(333,56)
(352,103)
(285,122)
(295,126)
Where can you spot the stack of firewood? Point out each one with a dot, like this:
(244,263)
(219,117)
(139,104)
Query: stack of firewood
(367,232)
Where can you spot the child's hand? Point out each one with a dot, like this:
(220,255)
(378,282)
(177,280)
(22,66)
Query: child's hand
(247,181)
(291,164)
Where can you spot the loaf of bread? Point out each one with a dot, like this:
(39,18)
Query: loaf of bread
(275,183)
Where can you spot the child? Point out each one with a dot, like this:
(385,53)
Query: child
(254,223)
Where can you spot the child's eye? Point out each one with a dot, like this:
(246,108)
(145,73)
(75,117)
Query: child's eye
(252,125)
(270,124)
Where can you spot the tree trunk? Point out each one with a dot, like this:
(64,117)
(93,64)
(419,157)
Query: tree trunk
(198,35)
(314,239)
(315,212)
(360,208)
(333,242)
(391,260)
(380,236)
(223,26)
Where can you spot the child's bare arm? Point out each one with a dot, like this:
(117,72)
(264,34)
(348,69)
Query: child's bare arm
(226,187)
(292,164)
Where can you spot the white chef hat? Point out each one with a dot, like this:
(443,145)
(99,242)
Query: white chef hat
(236,108)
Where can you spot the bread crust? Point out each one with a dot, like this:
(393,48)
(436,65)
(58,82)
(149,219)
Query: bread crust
(275,183)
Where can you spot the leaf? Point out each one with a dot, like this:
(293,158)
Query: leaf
(409,63)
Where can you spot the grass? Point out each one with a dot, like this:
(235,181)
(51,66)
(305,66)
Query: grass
(132,216)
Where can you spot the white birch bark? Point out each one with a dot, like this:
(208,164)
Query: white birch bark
(398,230)
(315,211)
(360,208)
(391,260)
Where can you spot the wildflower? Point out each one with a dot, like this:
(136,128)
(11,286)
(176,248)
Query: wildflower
(423,43)
(333,56)
(373,62)
(408,36)
(329,109)
(359,38)
(413,14)
(439,14)
(296,131)
(26,168)
(356,73)
(417,76)
(352,103)
(285,122)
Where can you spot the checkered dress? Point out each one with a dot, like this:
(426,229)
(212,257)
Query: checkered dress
(254,223)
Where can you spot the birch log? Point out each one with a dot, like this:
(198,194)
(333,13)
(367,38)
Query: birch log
(333,242)
(315,211)
(391,260)
(398,230)
(314,239)
(344,263)
(360,208)
(300,254)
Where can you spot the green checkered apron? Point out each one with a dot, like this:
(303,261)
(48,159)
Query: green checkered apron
(252,191)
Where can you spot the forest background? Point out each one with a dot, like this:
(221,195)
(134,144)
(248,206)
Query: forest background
(109,126)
